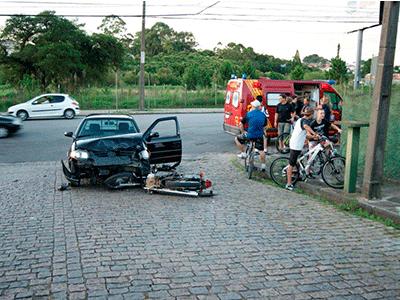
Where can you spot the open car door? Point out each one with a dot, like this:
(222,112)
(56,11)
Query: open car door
(163,140)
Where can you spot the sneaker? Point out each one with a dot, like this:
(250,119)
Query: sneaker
(289,187)
(263,167)
(242,155)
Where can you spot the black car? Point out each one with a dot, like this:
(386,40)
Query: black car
(104,145)
(8,125)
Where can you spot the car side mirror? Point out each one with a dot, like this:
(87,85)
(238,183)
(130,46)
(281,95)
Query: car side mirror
(154,135)
(68,134)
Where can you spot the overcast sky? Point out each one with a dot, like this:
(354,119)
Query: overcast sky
(272,27)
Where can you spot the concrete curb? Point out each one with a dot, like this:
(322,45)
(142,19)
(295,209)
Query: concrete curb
(340,197)
(154,111)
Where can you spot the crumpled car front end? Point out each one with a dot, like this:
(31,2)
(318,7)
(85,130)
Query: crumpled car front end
(99,158)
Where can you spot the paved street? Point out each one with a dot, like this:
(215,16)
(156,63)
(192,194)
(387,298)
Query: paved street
(249,241)
(44,140)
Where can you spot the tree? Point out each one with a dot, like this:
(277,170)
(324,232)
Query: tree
(54,50)
(296,58)
(338,70)
(365,67)
(315,59)
(274,75)
(162,39)
(297,73)
(115,26)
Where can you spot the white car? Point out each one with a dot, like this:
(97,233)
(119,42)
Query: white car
(46,105)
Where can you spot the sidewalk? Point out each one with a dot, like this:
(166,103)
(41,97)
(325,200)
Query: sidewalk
(154,111)
(387,207)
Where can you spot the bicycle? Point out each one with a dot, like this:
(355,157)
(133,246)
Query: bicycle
(249,159)
(332,169)
(284,138)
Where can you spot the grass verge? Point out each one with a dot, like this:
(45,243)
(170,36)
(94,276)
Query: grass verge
(352,207)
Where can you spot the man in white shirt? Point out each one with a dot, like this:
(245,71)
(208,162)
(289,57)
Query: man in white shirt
(296,144)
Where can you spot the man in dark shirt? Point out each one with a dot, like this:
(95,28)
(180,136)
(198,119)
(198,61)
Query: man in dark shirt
(306,103)
(325,105)
(297,105)
(283,117)
(321,126)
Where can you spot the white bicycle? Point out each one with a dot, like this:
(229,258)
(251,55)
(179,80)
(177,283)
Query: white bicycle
(322,159)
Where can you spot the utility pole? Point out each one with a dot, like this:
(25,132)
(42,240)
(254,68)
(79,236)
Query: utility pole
(374,159)
(142,59)
(357,76)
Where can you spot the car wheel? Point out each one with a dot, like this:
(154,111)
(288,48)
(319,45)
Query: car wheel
(3,132)
(69,114)
(23,115)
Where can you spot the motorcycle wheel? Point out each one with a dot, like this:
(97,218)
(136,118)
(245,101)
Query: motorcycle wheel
(119,180)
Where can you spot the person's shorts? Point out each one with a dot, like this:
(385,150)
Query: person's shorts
(294,154)
(283,127)
(243,139)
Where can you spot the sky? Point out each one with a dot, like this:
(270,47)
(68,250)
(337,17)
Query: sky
(273,27)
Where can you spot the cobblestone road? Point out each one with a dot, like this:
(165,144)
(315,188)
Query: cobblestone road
(250,241)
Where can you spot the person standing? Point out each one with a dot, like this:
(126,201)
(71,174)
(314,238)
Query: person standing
(306,103)
(298,105)
(283,117)
(325,105)
(264,109)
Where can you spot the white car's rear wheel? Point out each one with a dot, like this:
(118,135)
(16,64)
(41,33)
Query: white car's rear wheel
(69,114)
(23,115)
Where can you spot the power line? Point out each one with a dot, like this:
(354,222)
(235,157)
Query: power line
(266,20)
(110,15)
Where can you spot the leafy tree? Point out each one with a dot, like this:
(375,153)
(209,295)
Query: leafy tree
(315,59)
(315,75)
(115,26)
(338,70)
(274,75)
(226,70)
(54,50)
(365,67)
(161,38)
(249,69)
(296,58)
(297,73)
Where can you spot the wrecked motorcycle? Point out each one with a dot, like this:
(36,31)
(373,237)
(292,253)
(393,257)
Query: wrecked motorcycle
(109,149)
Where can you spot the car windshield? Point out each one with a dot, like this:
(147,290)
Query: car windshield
(106,127)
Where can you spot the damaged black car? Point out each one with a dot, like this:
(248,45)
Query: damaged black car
(110,149)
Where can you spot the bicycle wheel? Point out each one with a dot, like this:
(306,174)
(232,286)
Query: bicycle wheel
(333,172)
(318,164)
(250,165)
(284,138)
(278,171)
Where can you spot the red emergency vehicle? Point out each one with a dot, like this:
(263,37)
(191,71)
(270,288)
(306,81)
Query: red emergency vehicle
(240,92)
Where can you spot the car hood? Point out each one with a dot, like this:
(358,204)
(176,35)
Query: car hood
(9,119)
(125,142)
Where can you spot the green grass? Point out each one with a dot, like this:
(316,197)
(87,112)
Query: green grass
(128,97)
(358,107)
(352,207)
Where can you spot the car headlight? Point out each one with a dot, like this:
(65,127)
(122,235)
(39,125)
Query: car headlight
(79,154)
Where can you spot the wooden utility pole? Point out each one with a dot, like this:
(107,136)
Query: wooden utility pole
(142,59)
(374,160)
